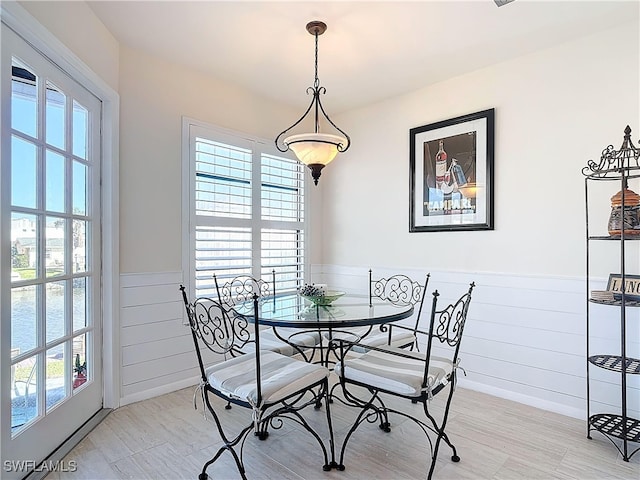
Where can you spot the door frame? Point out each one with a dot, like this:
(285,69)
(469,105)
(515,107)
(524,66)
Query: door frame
(23,23)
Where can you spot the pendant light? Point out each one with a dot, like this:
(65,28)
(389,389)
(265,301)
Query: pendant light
(314,149)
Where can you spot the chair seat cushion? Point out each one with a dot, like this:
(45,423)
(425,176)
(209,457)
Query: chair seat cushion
(393,373)
(399,338)
(269,341)
(281,376)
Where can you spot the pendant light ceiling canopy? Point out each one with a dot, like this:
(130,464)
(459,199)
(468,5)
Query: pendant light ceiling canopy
(314,149)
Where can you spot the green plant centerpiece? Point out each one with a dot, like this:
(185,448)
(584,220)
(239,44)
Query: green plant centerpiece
(319,294)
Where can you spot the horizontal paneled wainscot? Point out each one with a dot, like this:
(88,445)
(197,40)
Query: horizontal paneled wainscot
(525,335)
(157,350)
(524,339)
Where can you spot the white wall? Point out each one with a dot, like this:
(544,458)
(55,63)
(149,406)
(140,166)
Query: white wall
(154,97)
(75,25)
(555,110)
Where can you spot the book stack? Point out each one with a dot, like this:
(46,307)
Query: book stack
(602,295)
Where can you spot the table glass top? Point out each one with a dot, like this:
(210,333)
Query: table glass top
(291,310)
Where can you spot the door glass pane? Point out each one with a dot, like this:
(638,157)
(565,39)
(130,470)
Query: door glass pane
(79,303)
(55,390)
(79,245)
(24,392)
(24,100)
(54,247)
(23,318)
(55,182)
(80,370)
(23,173)
(79,188)
(55,116)
(54,294)
(24,246)
(80,129)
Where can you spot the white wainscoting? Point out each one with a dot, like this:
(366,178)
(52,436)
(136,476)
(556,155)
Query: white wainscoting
(156,347)
(525,338)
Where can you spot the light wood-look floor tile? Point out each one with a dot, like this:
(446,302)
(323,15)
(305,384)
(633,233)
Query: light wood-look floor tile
(165,438)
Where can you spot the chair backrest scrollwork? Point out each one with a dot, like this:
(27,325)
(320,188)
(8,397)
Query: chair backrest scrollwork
(450,321)
(399,290)
(218,327)
(242,288)
(447,325)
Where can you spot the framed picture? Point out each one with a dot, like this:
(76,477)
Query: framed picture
(451,174)
(631,286)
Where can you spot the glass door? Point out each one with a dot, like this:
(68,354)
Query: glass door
(49,256)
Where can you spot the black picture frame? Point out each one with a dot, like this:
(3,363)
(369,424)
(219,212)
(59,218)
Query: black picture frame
(453,191)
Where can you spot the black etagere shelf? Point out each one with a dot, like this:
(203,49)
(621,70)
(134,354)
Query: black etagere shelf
(621,165)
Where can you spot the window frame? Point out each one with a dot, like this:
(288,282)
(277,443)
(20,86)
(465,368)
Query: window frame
(192,128)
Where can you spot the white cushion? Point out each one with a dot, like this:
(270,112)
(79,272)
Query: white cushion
(399,338)
(393,373)
(281,376)
(269,341)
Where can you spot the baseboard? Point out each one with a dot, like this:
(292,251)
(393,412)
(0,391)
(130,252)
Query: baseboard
(524,399)
(154,392)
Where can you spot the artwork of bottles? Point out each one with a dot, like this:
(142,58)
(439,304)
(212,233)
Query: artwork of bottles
(441,166)
(449,177)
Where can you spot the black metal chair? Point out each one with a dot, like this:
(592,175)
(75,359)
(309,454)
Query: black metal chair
(272,386)
(416,376)
(241,289)
(398,290)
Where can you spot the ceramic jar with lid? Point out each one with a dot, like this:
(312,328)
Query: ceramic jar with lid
(629,215)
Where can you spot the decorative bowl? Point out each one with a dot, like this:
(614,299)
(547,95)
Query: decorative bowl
(325,300)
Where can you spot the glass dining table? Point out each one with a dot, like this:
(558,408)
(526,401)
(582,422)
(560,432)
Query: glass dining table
(291,316)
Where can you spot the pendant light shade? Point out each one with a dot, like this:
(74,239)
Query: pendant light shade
(314,149)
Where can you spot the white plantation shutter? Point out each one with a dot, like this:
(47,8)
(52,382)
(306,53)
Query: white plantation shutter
(283,251)
(223,180)
(247,206)
(223,251)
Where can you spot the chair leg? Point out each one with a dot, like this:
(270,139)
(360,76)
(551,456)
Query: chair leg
(229,443)
(331,392)
(441,434)
(362,416)
(203,475)
(385,425)
(332,463)
(292,412)
(260,430)
(324,392)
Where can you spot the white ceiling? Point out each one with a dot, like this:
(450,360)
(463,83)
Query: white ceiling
(370,51)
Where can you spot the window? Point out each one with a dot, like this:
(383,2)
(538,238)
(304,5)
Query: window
(246,210)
